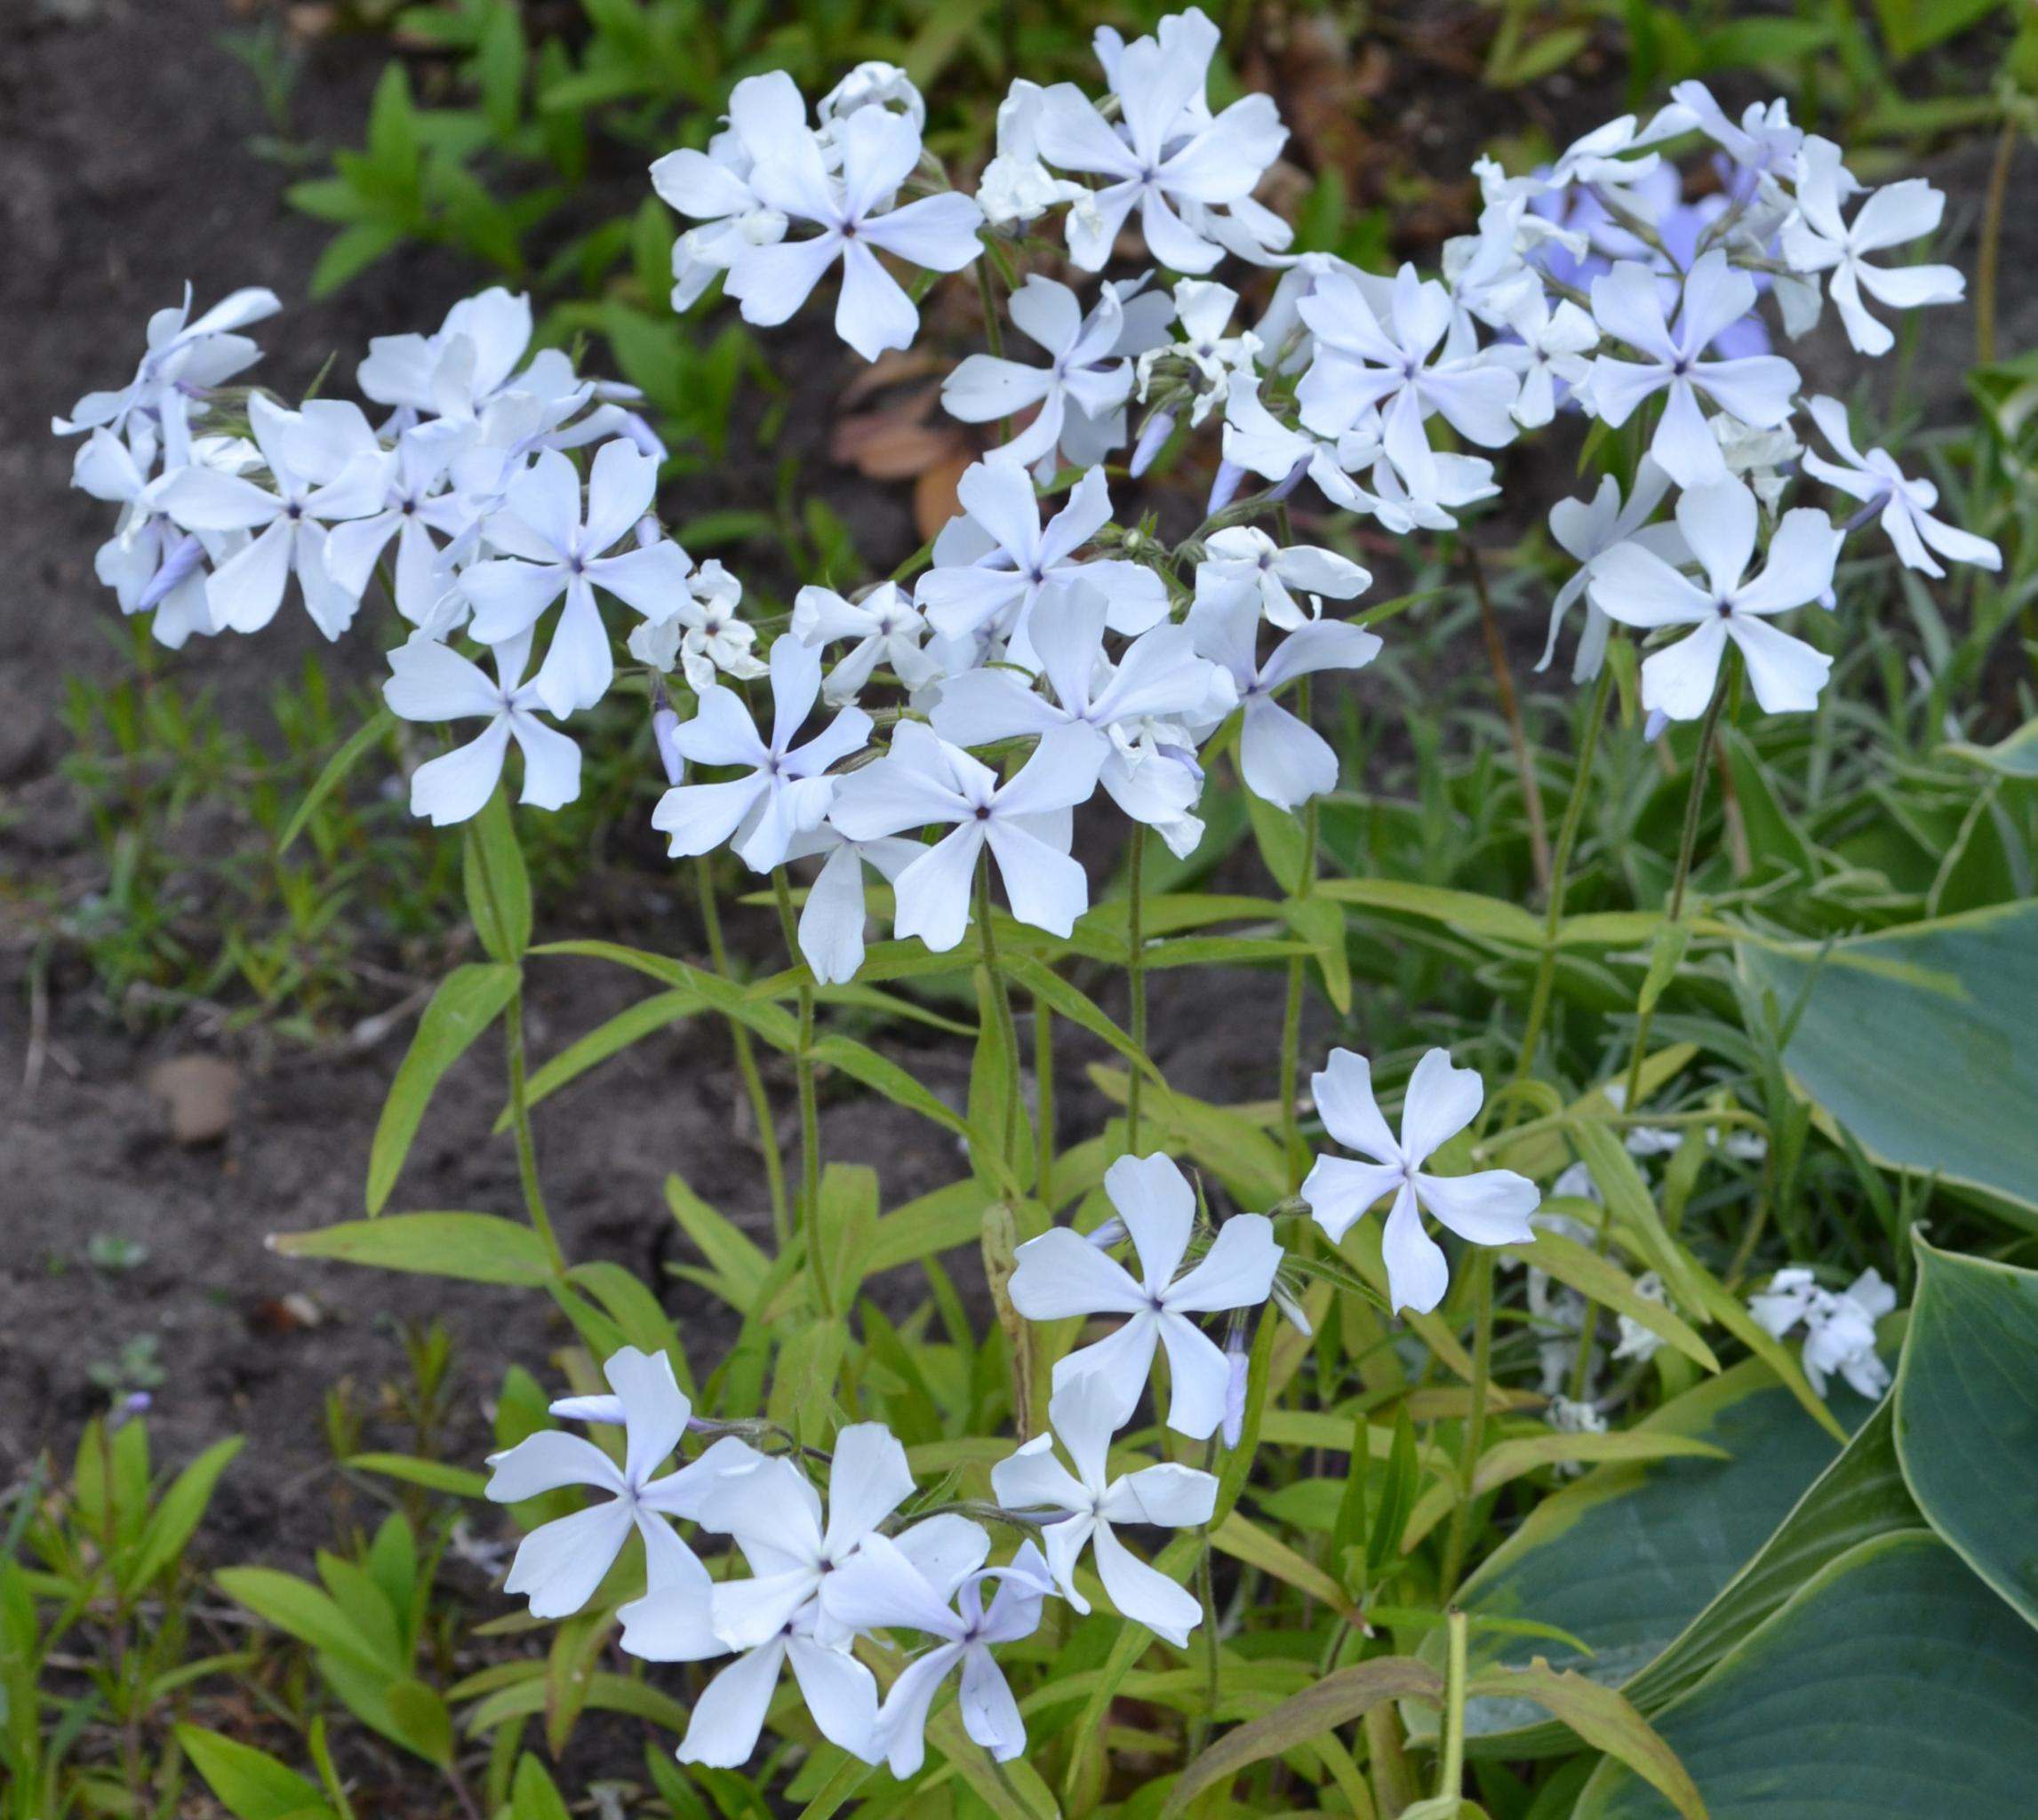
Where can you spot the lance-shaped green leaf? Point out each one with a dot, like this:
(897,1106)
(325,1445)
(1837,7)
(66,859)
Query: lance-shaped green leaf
(468,999)
(477,1248)
(1966,1427)
(1892,1685)
(1338,1698)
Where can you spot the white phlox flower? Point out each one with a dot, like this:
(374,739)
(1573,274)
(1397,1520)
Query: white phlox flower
(1364,364)
(1016,186)
(785,790)
(1242,558)
(319,477)
(151,563)
(1762,141)
(561,1563)
(1551,346)
(1082,377)
(1204,311)
(1817,239)
(468,368)
(1283,761)
(1904,506)
(1628,305)
(1082,1416)
(704,636)
(1490,1207)
(1159,158)
(1839,1326)
(414,504)
(874,83)
(1586,529)
(1062,1274)
(1025,823)
(182,361)
(1257,442)
(1638,1342)
(883,1588)
(1160,681)
(883,628)
(550,548)
(992,564)
(713,187)
(857,219)
(1636,586)
(431,682)
(830,928)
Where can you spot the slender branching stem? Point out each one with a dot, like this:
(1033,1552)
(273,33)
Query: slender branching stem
(810,1109)
(1002,1003)
(1560,871)
(1511,711)
(1136,976)
(1475,1417)
(746,1059)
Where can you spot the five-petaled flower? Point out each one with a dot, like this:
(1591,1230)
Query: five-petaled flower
(1061,1274)
(1490,1207)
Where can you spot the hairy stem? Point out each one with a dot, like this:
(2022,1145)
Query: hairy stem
(1511,709)
(1136,978)
(1687,845)
(1451,1774)
(1560,872)
(1043,1097)
(1990,263)
(1001,997)
(810,1110)
(747,1061)
(1291,1011)
(519,1089)
(1475,1418)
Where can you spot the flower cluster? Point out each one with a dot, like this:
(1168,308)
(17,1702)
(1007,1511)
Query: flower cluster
(825,1577)
(1839,1325)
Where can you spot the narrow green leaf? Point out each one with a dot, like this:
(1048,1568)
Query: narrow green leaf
(468,999)
(1338,1698)
(251,1785)
(477,1248)
(177,1517)
(333,773)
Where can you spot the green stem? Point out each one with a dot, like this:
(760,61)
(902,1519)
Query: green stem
(1686,845)
(1511,712)
(810,1111)
(1206,1592)
(1008,1025)
(1291,1012)
(1694,802)
(1136,978)
(526,1147)
(1043,1079)
(747,1061)
(1451,1775)
(994,332)
(519,1091)
(1475,1420)
(1560,871)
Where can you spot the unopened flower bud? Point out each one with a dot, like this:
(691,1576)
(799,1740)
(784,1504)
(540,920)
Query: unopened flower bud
(1111,1233)
(1224,489)
(1153,439)
(665,736)
(1238,1361)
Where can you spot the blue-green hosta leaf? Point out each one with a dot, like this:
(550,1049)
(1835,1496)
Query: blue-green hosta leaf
(1967,1428)
(1924,1043)
(1893,1685)
(1629,1556)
